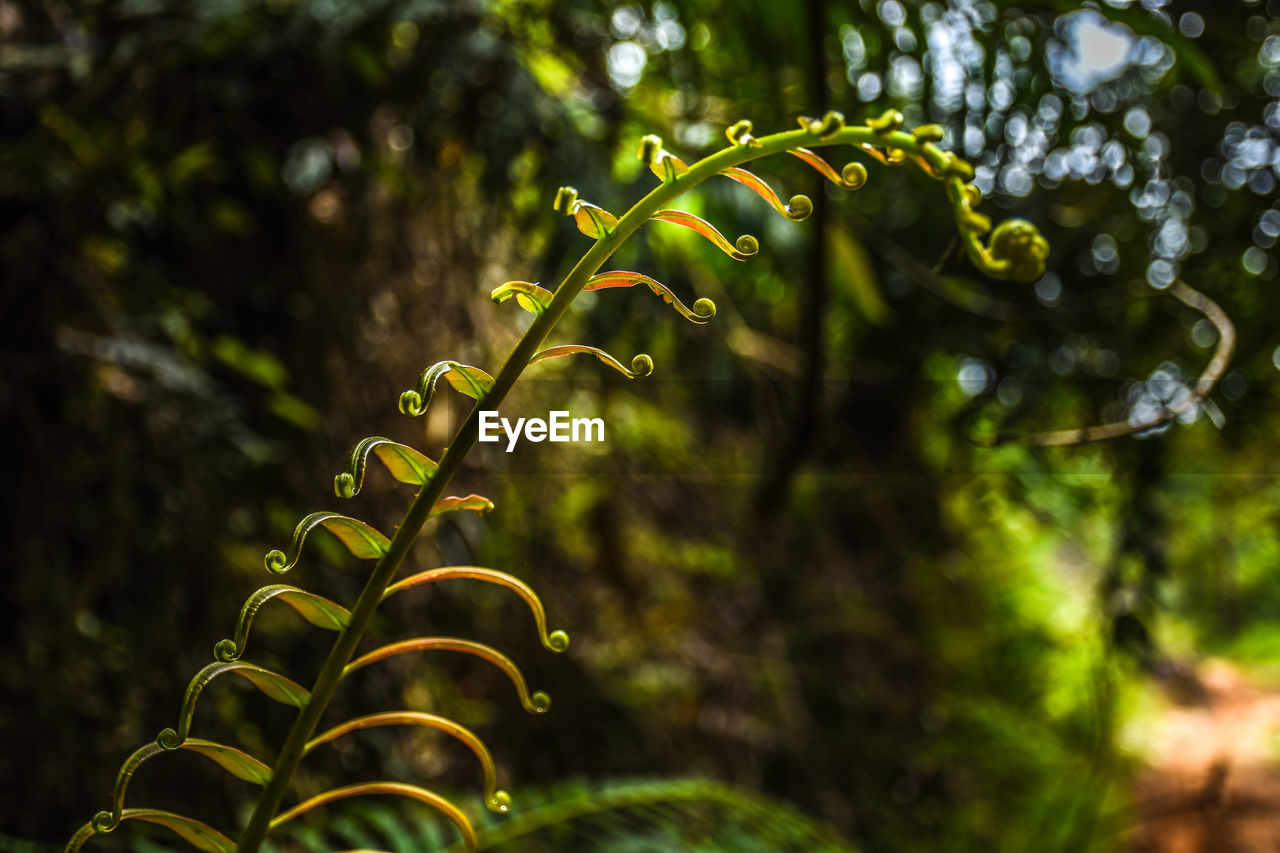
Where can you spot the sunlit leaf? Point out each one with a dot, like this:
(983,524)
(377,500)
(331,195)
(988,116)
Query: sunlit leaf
(641,365)
(316,609)
(703,309)
(271,684)
(528,295)
(360,539)
(745,247)
(668,167)
(799,207)
(405,464)
(276,686)
(472,381)
(497,800)
(853,176)
(237,763)
(661,162)
(436,801)
(593,221)
(477,503)
(199,835)
(535,703)
(556,641)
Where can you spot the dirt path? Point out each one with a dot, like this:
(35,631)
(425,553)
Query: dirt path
(1214,783)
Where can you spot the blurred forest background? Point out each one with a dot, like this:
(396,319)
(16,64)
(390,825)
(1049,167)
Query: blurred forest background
(233,231)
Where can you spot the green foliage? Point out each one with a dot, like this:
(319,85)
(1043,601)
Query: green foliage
(1015,251)
(686,814)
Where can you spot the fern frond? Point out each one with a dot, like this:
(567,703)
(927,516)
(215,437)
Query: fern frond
(270,683)
(234,761)
(745,247)
(360,539)
(796,210)
(405,464)
(472,381)
(535,703)
(528,295)
(475,503)
(197,834)
(852,176)
(316,609)
(703,310)
(399,789)
(592,220)
(238,763)
(661,162)
(496,799)
(641,365)
(556,641)
(1014,250)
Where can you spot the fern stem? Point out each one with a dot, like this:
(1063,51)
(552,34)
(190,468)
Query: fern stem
(464,439)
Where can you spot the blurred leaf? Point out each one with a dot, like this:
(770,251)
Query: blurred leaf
(477,503)
(259,366)
(853,272)
(236,762)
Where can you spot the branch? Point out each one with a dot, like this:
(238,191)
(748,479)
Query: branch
(1213,371)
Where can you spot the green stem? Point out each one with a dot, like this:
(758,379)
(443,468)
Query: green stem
(464,439)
